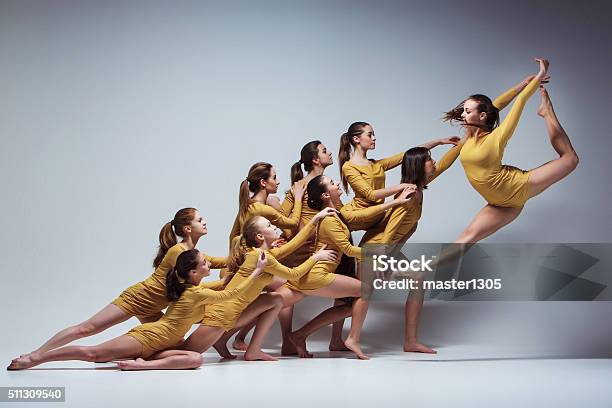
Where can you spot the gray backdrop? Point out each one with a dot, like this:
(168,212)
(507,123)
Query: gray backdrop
(114,115)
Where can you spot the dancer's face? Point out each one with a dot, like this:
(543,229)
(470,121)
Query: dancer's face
(271,184)
(471,115)
(197,226)
(202,269)
(324,156)
(333,189)
(367,139)
(268,233)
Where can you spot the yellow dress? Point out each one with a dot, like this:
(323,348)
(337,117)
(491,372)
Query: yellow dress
(501,185)
(364,180)
(181,315)
(336,235)
(226,314)
(147,299)
(402,219)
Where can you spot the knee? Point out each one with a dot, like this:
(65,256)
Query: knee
(195,360)
(277,300)
(91,354)
(85,329)
(469,235)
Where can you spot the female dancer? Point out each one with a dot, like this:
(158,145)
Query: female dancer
(258,234)
(149,343)
(261,181)
(367,177)
(321,280)
(144,300)
(506,188)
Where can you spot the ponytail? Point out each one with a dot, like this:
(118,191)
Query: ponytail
(347,146)
(177,277)
(168,233)
(258,171)
(296,172)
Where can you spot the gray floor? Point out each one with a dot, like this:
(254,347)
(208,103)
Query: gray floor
(490,354)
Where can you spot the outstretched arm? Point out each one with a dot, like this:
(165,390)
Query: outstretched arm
(454,140)
(504,99)
(362,188)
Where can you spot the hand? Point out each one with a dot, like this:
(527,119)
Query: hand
(404,196)
(278,243)
(326,255)
(297,189)
(262,260)
(454,140)
(543,68)
(409,186)
(528,79)
(324,213)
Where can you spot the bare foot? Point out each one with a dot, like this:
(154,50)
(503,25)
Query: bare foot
(22,363)
(240,345)
(129,365)
(299,343)
(338,345)
(355,347)
(258,356)
(223,351)
(288,349)
(418,348)
(545,107)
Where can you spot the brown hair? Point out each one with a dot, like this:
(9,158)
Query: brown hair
(168,233)
(413,166)
(258,171)
(347,146)
(241,244)
(484,105)
(185,262)
(309,152)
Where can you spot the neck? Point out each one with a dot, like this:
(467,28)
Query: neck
(264,246)
(190,242)
(360,153)
(316,171)
(261,196)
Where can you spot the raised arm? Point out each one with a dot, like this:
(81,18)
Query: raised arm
(506,128)
(216,262)
(298,240)
(391,162)
(235,231)
(446,161)
(206,295)
(504,99)
(287,204)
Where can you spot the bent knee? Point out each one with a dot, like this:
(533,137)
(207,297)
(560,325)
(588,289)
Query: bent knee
(277,300)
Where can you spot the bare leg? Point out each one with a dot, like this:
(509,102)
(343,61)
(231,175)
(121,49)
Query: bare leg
(264,323)
(164,360)
(546,175)
(109,316)
(285,319)
(336,313)
(343,286)
(121,347)
(414,305)
(336,343)
(488,220)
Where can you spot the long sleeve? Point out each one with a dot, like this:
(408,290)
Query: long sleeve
(331,230)
(287,204)
(207,296)
(278,219)
(235,231)
(277,269)
(446,161)
(361,187)
(392,161)
(504,99)
(297,241)
(362,215)
(506,128)
(216,262)
(215,285)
